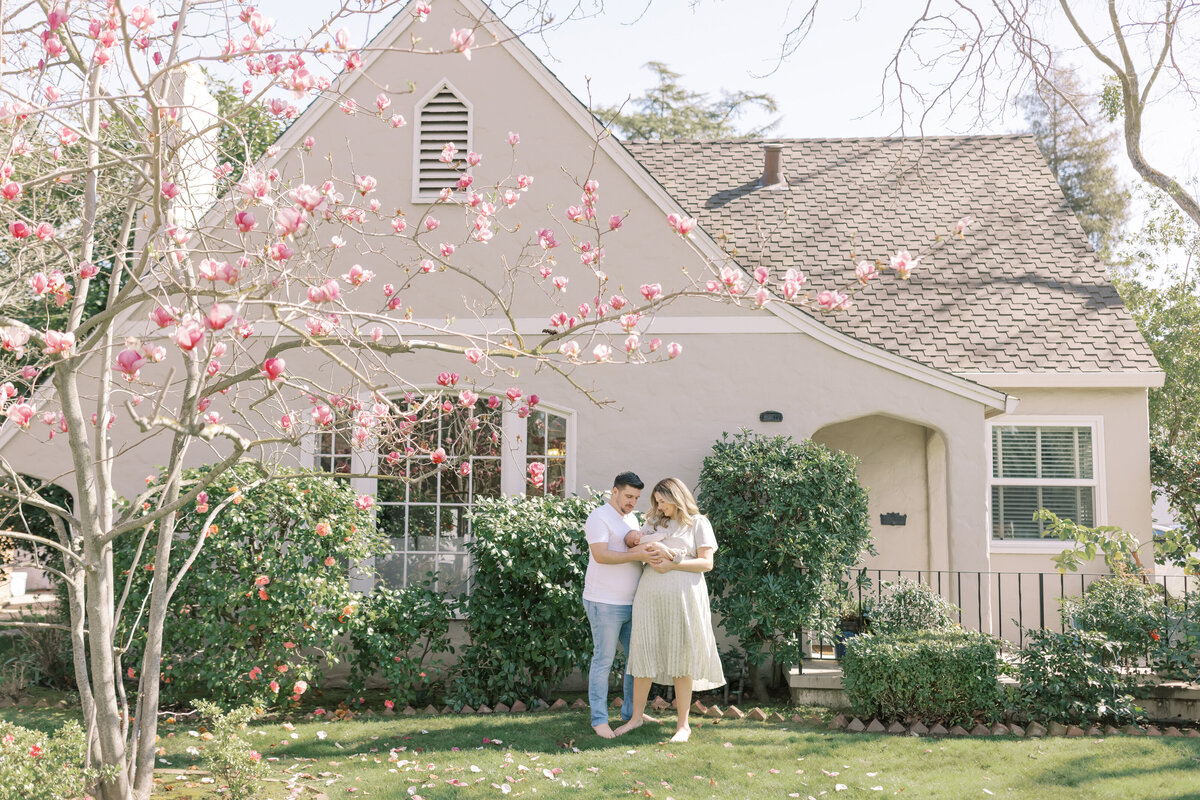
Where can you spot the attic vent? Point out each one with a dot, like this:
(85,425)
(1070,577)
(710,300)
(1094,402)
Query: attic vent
(444,119)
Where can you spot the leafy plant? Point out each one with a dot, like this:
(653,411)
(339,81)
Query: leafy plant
(394,633)
(908,606)
(947,675)
(1118,546)
(37,766)
(527,628)
(268,599)
(1128,611)
(1072,677)
(791,519)
(236,766)
(1175,645)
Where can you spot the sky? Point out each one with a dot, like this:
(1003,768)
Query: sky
(829,87)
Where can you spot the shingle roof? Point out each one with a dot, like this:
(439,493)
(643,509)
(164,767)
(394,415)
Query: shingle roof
(1023,292)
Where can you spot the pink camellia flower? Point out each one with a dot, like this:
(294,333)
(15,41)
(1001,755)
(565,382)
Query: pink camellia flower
(447,378)
(262,580)
(651,291)
(462,40)
(19,230)
(364,502)
(202,508)
(903,263)
(473,354)
(254,674)
(189,334)
(865,271)
(130,362)
(682,225)
(58,343)
(438,456)
(274,686)
(273,368)
(537,474)
(10,190)
(21,413)
(365,184)
(330,561)
(218,316)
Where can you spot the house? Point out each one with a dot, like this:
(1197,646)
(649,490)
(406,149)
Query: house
(1005,375)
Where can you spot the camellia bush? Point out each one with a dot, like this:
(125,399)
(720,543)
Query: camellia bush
(527,627)
(791,519)
(1073,677)
(34,766)
(907,606)
(267,600)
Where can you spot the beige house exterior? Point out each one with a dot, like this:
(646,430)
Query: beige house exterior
(1012,335)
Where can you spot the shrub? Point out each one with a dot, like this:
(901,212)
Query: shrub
(1125,609)
(1072,677)
(947,675)
(34,766)
(236,766)
(268,597)
(908,606)
(524,615)
(1175,645)
(790,518)
(394,632)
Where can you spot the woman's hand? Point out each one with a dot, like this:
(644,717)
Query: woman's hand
(664,566)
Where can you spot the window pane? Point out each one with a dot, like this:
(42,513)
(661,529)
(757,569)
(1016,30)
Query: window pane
(535,436)
(422,527)
(485,477)
(390,519)
(452,528)
(556,477)
(456,487)
(420,568)
(390,569)
(423,486)
(1012,512)
(452,575)
(1059,453)
(1017,456)
(1070,502)
(1085,453)
(556,436)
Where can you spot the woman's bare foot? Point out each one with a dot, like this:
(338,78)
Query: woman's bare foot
(633,724)
(648,718)
(603,731)
(681,735)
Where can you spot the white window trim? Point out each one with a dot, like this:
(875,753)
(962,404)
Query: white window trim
(1045,546)
(441,86)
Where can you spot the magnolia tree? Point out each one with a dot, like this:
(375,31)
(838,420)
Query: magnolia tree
(157,296)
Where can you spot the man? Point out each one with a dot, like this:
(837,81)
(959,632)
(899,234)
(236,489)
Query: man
(612,578)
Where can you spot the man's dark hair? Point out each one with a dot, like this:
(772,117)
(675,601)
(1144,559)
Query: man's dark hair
(628,479)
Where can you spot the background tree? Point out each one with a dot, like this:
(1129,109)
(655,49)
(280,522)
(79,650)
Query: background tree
(670,111)
(1065,121)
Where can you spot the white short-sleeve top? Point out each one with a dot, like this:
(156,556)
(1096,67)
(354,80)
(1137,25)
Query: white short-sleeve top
(614,584)
(689,538)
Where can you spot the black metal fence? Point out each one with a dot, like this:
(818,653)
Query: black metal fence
(1003,604)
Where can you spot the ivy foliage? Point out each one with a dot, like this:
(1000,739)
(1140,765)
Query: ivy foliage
(526,625)
(268,598)
(947,675)
(791,519)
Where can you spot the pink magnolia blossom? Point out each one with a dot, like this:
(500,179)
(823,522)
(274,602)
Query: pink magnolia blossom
(322,415)
(903,263)
(462,40)
(682,225)
(218,316)
(447,378)
(513,394)
(19,230)
(615,221)
(432,223)
(832,300)
(365,184)
(473,159)
(13,339)
(20,413)
(651,291)
(56,17)
(279,252)
(674,349)
(546,239)
(865,271)
(59,343)
(357,276)
(473,354)
(655,344)
(289,221)
(88,270)
(382,102)
(961,226)
(422,10)
(10,190)
(163,316)
(53,45)
(273,368)
(467,398)
(448,151)
(762,296)
(307,197)
(130,363)
(523,182)
(398,121)
(342,39)
(447,249)
(537,474)
(399,224)
(189,335)
(575,213)
(560,282)
(602,352)
(760,275)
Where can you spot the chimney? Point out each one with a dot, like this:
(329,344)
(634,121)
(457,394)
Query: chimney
(772,177)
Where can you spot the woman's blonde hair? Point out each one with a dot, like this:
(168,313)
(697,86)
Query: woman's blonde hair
(676,492)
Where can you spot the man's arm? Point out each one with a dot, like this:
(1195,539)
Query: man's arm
(643,553)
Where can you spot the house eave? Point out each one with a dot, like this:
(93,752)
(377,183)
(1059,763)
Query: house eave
(1027,379)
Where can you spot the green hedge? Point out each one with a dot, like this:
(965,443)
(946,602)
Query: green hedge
(932,675)
(37,766)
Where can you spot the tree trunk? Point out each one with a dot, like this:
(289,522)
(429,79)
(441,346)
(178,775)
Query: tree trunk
(100,650)
(758,686)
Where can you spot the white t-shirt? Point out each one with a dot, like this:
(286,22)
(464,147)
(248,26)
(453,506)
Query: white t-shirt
(614,584)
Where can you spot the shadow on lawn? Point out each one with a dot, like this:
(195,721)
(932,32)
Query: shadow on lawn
(1086,771)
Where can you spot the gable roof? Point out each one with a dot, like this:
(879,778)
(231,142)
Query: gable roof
(1024,293)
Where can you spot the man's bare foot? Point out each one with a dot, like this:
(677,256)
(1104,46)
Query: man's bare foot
(633,724)
(682,734)
(603,731)
(648,718)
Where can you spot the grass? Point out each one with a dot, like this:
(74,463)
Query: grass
(402,757)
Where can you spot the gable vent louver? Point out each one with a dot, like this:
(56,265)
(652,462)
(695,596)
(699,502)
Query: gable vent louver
(444,119)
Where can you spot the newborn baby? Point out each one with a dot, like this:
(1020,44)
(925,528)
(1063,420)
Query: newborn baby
(678,548)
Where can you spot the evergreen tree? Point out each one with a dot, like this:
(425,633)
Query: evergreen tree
(1081,155)
(669,111)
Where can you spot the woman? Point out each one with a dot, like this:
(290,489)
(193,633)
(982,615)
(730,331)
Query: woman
(672,640)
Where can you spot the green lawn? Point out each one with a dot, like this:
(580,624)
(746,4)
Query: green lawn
(555,755)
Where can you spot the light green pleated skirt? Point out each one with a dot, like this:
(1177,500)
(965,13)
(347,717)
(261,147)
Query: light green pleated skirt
(672,631)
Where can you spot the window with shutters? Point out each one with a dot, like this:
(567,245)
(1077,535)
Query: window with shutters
(1039,465)
(443,139)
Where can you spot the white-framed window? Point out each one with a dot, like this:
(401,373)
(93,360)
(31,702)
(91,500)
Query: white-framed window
(442,117)
(425,518)
(334,451)
(1043,462)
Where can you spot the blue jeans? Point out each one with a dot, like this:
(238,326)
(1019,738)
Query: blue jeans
(610,624)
